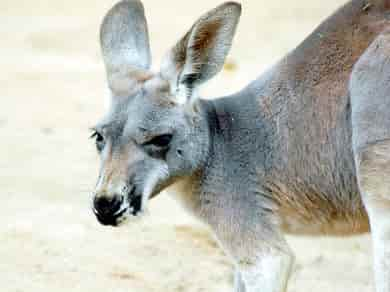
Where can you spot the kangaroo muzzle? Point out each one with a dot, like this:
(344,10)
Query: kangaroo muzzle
(108,210)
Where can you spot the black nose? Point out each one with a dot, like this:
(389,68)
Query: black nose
(107,206)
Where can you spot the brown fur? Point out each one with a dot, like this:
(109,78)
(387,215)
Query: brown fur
(307,106)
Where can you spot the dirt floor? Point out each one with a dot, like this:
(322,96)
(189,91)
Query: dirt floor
(52,88)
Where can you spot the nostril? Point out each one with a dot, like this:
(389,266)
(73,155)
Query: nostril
(107,205)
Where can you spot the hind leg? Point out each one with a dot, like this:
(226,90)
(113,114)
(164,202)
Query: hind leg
(370,100)
(374,180)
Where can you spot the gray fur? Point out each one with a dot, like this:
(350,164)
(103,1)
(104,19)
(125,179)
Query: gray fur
(370,96)
(370,90)
(125,43)
(281,155)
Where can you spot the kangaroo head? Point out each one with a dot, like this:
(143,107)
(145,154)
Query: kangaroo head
(155,132)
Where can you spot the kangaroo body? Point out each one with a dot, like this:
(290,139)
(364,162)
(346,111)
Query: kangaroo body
(288,134)
(303,149)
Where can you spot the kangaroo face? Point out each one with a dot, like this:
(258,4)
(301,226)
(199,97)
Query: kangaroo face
(146,142)
(155,131)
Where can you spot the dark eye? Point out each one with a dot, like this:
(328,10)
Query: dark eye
(99,140)
(158,147)
(161,141)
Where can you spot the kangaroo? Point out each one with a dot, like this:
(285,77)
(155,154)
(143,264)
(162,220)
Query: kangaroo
(302,149)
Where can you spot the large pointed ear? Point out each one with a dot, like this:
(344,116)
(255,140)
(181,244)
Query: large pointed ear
(201,53)
(125,45)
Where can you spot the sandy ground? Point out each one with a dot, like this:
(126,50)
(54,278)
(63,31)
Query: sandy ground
(52,88)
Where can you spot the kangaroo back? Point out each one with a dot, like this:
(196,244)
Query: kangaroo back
(305,104)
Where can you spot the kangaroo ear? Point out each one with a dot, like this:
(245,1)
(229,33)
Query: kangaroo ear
(125,45)
(201,53)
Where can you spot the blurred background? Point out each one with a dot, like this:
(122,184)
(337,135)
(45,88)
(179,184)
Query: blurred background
(52,89)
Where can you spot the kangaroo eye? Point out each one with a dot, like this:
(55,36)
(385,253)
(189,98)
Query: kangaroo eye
(161,141)
(99,140)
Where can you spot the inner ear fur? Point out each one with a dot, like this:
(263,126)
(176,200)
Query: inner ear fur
(201,53)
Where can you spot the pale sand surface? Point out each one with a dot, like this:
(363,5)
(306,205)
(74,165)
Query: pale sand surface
(52,86)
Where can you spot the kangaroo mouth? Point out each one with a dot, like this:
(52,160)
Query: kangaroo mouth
(112,220)
(135,204)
